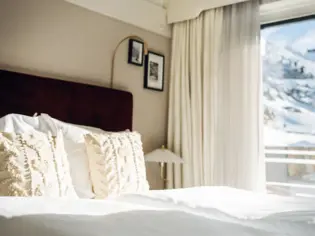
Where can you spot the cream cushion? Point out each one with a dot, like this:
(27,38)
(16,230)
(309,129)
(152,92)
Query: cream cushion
(116,163)
(34,164)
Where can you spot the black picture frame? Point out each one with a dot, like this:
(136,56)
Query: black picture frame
(132,52)
(154,71)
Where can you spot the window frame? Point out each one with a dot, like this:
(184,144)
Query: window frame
(272,159)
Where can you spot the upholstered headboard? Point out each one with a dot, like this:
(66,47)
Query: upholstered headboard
(75,103)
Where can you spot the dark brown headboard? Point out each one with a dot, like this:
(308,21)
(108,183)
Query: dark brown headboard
(75,103)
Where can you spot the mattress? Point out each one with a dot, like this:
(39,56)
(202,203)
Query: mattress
(202,211)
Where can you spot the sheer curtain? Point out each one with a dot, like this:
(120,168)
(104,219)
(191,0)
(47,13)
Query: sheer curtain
(215,109)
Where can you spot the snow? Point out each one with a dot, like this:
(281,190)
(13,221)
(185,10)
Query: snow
(277,137)
(304,43)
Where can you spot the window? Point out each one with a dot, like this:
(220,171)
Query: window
(288,57)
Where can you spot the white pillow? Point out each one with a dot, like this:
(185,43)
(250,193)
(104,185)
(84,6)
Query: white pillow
(90,129)
(116,163)
(15,123)
(34,164)
(77,155)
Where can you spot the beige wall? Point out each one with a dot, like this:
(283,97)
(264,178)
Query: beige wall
(57,39)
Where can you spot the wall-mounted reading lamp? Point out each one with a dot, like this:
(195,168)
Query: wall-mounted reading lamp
(116,49)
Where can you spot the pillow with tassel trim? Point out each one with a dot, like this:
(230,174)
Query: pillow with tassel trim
(116,163)
(34,164)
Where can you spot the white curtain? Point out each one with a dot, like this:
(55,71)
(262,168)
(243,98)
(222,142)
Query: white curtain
(215,109)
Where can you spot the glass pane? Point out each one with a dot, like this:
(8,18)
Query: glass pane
(301,177)
(291,191)
(289,173)
(288,58)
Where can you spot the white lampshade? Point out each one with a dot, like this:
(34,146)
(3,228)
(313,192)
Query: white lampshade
(164,156)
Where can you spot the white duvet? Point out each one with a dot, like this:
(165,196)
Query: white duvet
(207,211)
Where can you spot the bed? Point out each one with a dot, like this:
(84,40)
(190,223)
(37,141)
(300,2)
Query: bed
(200,211)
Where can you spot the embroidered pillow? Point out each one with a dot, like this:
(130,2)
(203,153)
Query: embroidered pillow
(34,164)
(116,163)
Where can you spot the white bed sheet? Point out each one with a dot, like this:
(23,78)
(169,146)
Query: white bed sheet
(205,211)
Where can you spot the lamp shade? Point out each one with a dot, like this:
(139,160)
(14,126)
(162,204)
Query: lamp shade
(163,155)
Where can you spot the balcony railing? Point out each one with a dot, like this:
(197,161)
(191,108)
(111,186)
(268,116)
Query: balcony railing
(291,170)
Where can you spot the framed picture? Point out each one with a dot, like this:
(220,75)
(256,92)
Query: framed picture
(154,71)
(135,52)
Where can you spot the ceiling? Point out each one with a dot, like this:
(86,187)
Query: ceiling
(162,3)
(153,16)
(150,15)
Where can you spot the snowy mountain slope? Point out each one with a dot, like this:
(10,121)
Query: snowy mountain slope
(289,90)
(304,43)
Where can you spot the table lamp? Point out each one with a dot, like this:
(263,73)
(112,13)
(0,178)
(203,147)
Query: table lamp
(162,156)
